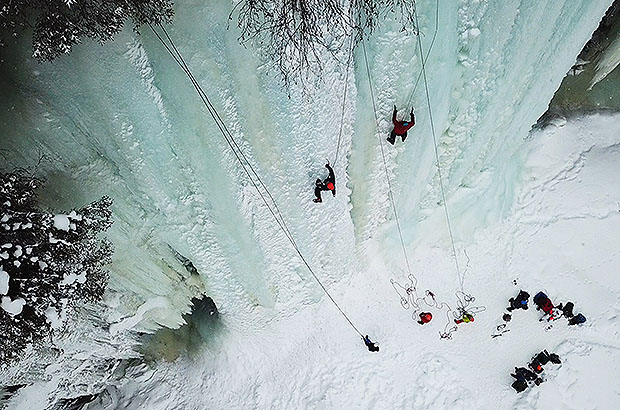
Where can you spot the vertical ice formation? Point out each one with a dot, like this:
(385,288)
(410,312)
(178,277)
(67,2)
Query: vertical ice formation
(491,73)
(123,120)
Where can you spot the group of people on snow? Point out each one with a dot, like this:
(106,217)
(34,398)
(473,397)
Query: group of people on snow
(522,375)
(532,374)
(552,312)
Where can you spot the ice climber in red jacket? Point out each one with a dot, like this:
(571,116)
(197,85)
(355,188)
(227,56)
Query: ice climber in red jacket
(400,127)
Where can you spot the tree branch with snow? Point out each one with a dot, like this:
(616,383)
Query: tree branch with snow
(48,262)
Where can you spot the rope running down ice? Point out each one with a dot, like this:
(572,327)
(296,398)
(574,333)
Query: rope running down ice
(441,185)
(176,55)
(430,48)
(387,176)
(344,98)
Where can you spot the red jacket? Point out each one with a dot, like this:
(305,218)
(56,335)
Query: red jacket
(399,126)
(547,307)
(425,317)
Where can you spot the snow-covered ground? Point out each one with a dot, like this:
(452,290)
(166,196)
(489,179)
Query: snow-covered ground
(535,209)
(561,236)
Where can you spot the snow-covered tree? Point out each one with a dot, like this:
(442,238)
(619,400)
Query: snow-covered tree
(58,25)
(48,262)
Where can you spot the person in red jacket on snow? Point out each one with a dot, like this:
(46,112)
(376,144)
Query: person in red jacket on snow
(425,317)
(400,127)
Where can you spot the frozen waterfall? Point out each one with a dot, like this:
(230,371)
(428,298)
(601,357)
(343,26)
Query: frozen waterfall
(123,120)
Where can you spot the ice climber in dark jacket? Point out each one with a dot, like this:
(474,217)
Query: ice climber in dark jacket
(328,184)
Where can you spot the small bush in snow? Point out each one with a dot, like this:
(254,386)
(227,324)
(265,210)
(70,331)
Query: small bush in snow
(60,24)
(48,262)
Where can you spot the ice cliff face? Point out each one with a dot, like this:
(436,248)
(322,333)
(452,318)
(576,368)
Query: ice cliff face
(123,120)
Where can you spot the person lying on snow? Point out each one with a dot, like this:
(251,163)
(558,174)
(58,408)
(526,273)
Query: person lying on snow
(328,184)
(400,127)
(425,317)
(544,303)
(520,302)
(372,347)
(465,318)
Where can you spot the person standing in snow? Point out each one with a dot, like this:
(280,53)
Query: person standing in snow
(520,302)
(465,318)
(372,347)
(400,127)
(425,317)
(328,184)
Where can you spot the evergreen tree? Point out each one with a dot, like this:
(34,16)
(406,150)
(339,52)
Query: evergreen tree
(58,25)
(48,262)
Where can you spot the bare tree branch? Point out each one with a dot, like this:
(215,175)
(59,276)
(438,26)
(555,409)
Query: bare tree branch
(295,34)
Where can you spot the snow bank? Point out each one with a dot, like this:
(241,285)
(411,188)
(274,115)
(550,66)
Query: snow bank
(61,222)
(4,282)
(13,307)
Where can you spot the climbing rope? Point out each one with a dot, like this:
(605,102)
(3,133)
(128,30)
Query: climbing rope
(245,163)
(387,175)
(409,297)
(441,185)
(344,98)
(430,48)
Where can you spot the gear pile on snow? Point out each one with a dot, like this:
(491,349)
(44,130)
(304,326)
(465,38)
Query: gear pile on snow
(526,377)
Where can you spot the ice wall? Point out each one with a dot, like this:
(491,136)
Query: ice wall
(123,120)
(492,71)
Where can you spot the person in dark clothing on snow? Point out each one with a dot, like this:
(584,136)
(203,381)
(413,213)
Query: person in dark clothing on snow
(372,347)
(328,184)
(425,317)
(542,359)
(567,309)
(400,127)
(520,302)
(523,376)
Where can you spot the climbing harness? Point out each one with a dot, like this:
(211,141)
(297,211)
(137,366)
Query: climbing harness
(253,176)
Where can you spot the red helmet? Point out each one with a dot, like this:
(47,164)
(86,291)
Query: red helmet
(330,186)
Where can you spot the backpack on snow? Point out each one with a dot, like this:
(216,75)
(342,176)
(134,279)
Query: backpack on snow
(577,319)
(519,385)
